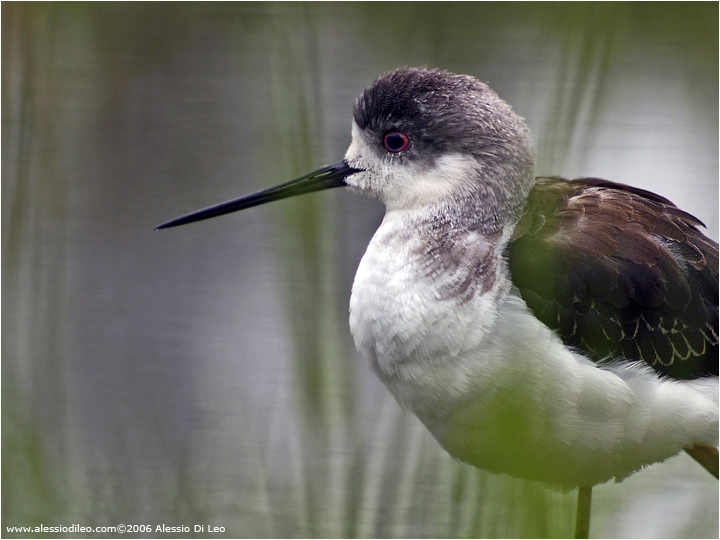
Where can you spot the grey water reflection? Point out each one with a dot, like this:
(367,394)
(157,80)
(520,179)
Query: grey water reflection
(206,375)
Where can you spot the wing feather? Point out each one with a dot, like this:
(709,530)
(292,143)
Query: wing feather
(619,272)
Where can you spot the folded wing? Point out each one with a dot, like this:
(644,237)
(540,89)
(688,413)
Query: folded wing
(619,273)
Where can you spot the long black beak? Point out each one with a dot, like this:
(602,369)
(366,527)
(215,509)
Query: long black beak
(327,177)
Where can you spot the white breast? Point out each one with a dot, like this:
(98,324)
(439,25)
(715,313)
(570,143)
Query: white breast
(495,386)
(411,327)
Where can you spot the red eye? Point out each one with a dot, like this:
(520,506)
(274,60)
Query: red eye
(395,141)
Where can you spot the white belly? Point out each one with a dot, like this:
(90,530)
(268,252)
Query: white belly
(498,389)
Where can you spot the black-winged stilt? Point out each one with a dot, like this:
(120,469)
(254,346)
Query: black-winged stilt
(553,330)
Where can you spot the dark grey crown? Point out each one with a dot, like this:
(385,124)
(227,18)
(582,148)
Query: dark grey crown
(440,110)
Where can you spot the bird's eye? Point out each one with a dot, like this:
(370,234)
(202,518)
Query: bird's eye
(395,141)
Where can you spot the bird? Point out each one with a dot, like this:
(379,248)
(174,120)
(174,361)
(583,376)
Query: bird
(560,331)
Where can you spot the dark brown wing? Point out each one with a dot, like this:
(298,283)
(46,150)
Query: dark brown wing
(619,272)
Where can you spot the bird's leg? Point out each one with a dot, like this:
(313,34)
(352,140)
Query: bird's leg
(582,518)
(705,455)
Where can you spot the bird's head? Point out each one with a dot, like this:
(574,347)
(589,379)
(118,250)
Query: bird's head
(424,137)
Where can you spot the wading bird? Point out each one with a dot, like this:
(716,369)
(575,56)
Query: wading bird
(558,331)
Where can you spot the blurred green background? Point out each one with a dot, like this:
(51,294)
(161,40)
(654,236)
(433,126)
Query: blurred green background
(206,375)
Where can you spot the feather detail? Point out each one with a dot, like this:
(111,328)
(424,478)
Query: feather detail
(619,272)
